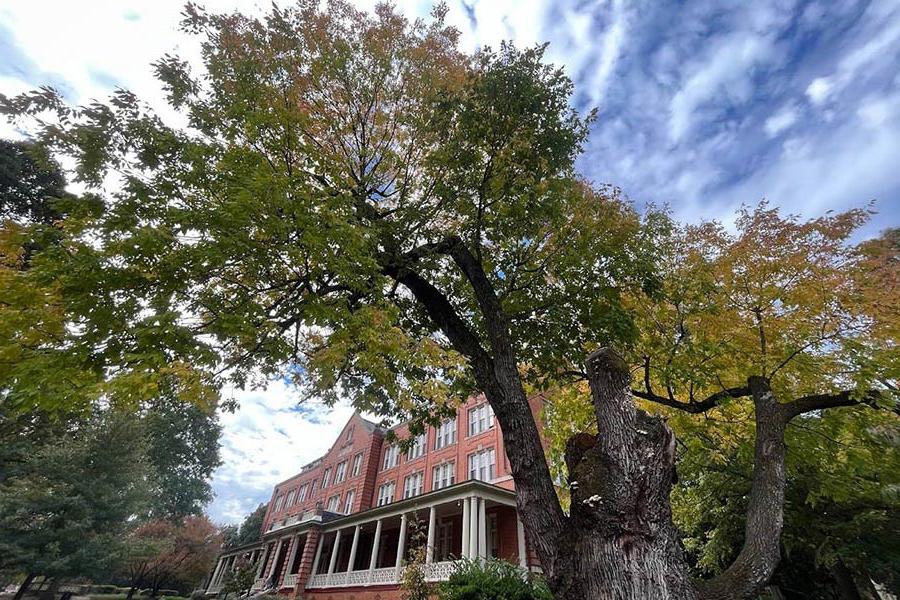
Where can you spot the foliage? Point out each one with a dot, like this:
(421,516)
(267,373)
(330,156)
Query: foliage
(782,298)
(492,579)
(164,552)
(270,237)
(250,530)
(64,503)
(241,579)
(183,447)
(412,581)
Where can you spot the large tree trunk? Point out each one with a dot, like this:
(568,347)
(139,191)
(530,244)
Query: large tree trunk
(622,541)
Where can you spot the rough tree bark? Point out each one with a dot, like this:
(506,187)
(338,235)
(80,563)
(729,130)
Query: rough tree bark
(623,542)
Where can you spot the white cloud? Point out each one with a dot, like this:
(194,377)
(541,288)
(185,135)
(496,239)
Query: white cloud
(721,77)
(266,441)
(881,41)
(780,121)
(819,90)
(612,43)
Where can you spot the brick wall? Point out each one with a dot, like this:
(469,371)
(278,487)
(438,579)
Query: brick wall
(360,437)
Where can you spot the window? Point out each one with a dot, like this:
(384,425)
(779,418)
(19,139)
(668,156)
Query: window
(333,502)
(391,458)
(357,465)
(301,494)
(279,502)
(417,448)
(413,485)
(349,434)
(340,473)
(445,434)
(326,476)
(481,418)
(290,498)
(481,465)
(386,493)
(348,502)
(443,476)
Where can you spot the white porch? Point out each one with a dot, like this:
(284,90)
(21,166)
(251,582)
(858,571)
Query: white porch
(469,520)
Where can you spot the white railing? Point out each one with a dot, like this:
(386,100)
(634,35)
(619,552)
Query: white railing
(439,571)
(214,589)
(358,577)
(383,576)
(258,584)
(290,580)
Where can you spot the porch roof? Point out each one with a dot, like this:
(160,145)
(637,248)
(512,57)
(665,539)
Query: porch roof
(458,491)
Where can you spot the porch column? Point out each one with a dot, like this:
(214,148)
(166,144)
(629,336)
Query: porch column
(429,549)
(401,543)
(315,565)
(373,562)
(473,528)
(353,548)
(523,557)
(464,550)
(262,563)
(334,552)
(267,572)
(482,529)
(215,573)
(295,542)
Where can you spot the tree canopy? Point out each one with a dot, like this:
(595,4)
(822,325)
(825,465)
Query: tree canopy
(356,204)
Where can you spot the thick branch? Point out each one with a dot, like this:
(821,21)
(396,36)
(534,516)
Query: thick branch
(822,401)
(711,401)
(496,372)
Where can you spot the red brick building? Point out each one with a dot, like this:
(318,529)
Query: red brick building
(341,527)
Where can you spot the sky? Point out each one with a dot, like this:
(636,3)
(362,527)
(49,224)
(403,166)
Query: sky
(702,106)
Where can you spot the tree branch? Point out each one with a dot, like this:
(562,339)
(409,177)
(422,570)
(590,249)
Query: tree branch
(822,401)
(711,401)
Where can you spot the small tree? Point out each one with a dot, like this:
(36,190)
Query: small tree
(241,579)
(171,553)
(412,580)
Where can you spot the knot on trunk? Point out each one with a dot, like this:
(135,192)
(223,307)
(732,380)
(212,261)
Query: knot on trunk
(623,494)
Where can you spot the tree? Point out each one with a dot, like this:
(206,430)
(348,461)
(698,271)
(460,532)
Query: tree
(250,530)
(174,553)
(241,579)
(359,206)
(30,183)
(183,447)
(65,503)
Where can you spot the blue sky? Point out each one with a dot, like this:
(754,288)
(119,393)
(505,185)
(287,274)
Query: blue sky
(703,106)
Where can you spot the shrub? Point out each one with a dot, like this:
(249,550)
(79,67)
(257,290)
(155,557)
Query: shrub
(492,580)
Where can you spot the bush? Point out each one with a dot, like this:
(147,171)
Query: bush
(492,580)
